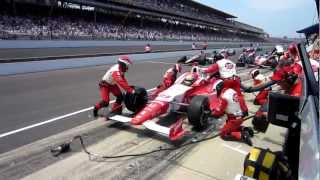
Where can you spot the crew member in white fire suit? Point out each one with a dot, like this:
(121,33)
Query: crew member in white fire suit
(227,72)
(112,81)
(228,103)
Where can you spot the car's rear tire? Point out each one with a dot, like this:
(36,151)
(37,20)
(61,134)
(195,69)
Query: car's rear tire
(202,60)
(136,101)
(198,112)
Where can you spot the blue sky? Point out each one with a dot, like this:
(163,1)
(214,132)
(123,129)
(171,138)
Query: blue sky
(276,17)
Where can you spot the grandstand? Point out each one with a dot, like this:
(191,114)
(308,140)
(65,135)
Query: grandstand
(121,19)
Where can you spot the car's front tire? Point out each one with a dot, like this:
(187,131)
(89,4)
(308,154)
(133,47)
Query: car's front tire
(198,112)
(134,102)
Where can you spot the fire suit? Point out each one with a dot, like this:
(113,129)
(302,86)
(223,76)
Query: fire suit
(111,81)
(169,78)
(227,72)
(262,96)
(229,104)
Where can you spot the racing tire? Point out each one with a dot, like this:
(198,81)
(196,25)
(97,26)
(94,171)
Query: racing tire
(240,64)
(250,60)
(183,59)
(135,102)
(202,61)
(198,112)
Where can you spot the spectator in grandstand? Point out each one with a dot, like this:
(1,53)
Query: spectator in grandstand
(65,27)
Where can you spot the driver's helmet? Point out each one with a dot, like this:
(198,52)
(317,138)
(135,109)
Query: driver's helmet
(189,79)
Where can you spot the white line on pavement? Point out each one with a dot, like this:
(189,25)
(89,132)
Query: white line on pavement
(45,122)
(235,149)
(51,120)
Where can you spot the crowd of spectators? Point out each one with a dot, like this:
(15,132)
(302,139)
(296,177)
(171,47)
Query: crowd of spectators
(64,27)
(177,7)
(181,8)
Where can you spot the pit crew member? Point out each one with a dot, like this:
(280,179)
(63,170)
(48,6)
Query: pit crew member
(228,103)
(227,72)
(112,81)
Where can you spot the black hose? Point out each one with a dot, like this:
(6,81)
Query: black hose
(258,88)
(84,148)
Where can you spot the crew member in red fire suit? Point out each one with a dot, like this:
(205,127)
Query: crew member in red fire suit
(112,81)
(297,65)
(227,72)
(169,78)
(227,102)
(287,75)
(258,79)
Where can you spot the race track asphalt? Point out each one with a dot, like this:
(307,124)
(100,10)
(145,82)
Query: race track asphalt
(32,98)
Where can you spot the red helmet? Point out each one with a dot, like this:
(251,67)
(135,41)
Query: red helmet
(124,62)
(293,49)
(178,68)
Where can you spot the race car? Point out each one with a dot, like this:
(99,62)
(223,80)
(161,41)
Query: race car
(246,57)
(214,57)
(266,60)
(200,58)
(189,96)
(229,52)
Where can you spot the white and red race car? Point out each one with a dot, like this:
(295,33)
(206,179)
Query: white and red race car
(266,60)
(191,100)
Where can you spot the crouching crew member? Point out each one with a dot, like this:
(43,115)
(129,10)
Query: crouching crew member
(227,72)
(227,102)
(112,81)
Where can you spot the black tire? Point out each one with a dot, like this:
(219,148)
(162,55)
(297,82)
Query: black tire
(183,59)
(134,102)
(203,62)
(250,60)
(240,64)
(198,112)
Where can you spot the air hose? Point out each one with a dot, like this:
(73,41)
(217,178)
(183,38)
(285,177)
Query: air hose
(66,147)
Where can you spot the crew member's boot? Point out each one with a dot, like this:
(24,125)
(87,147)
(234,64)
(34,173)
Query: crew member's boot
(249,130)
(245,137)
(95,112)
